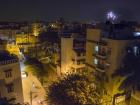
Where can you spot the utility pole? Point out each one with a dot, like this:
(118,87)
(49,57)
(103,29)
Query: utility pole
(32,86)
(31,97)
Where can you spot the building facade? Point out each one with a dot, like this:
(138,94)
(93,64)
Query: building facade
(104,54)
(72,54)
(10,80)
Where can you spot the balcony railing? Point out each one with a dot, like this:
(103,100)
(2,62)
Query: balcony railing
(100,68)
(102,55)
(8,61)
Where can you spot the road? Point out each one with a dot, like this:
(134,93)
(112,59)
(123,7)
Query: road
(32,89)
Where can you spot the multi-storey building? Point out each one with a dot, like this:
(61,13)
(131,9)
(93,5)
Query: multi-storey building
(8,30)
(72,54)
(25,41)
(10,78)
(3,44)
(105,49)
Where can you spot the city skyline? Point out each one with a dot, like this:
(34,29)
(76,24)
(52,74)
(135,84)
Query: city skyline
(89,10)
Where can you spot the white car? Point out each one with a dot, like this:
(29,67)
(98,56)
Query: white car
(24,74)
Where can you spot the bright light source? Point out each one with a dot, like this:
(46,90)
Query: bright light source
(111,15)
(95,61)
(96,48)
(136,33)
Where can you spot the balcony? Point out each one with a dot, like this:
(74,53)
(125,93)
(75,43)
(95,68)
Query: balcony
(8,62)
(75,66)
(80,58)
(102,55)
(100,68)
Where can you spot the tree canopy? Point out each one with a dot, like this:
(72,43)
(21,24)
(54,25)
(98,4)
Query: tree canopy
(130,69)
(73,90)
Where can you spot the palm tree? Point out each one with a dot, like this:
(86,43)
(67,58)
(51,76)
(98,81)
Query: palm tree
(130,69)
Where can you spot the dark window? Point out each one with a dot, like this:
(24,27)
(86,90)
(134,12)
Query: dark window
(84,61)
(8,73)
(10,87)
(78,54)
(84,54)
(78,62)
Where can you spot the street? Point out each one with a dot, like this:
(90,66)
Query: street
(32,90)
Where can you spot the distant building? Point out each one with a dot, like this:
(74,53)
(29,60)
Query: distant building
(10,78)
(8,30)
(25,41)
(105,48)
(37,28)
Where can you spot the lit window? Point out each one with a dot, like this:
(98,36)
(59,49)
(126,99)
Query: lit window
(95,61)
(96,48)
(136,50)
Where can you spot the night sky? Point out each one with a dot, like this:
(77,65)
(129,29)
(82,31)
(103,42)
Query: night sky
(83,10)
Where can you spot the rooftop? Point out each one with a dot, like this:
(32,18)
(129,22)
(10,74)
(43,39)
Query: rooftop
(5,55)
(120,31)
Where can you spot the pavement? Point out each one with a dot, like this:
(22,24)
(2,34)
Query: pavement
(32,89)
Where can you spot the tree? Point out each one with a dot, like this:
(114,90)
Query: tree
(73,90)
(50,36)
(36,68)
(42,71)
(130,69)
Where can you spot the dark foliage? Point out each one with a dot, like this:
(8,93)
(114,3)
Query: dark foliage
(130,68)
(33,61)
(73,90)
(49,36)
(5,55)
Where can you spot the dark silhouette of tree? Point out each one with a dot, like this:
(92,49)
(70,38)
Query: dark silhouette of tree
(49,36)
(36,68)
(40,70)
(130,69)
(73,90)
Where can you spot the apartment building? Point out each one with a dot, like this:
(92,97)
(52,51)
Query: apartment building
(105,48)
(10,78)
(3,44)
(72,53)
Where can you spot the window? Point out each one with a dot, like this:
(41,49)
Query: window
(8,73)
(84,54)
(78,62)
(10,87)
(96,48)
(78,54)
(135,50)
(95,61)
(84,61)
